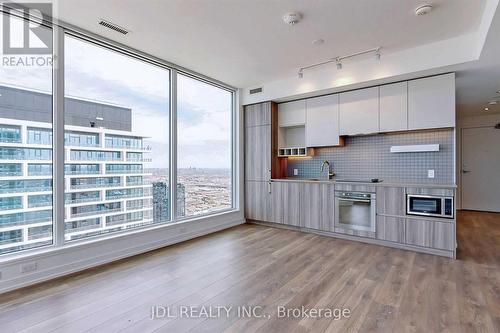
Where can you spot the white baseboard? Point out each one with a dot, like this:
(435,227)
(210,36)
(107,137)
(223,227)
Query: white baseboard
(65,261)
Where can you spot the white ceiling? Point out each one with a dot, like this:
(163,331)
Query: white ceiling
(245,42)
(478,82)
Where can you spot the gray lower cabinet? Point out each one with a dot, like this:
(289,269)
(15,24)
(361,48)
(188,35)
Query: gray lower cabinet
(390,228)
(359,233)
(276,198)
(430,191)
(391,200)
(319,206)
(354,187)
(264,201)
(292,208)
(257,201)
(312,206)
(433,234)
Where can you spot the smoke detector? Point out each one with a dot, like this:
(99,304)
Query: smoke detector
(292,18)
(423,10)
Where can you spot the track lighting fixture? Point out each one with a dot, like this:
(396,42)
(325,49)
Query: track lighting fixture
(338,60)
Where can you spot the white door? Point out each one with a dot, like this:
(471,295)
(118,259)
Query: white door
(481,169)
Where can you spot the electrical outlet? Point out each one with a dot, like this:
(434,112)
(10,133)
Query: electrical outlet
(295,172)
(430,173)
(28,267)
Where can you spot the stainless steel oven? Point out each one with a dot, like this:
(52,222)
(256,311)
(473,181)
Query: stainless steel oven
(355,210)
(428,205)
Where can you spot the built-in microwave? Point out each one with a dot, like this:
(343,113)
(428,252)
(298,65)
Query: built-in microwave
(428,205)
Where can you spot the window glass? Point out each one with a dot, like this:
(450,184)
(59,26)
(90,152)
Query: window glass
(25,140)
(204,145)
(116,146)
(116,140)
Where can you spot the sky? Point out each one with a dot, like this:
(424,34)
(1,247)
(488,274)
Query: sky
(92,72)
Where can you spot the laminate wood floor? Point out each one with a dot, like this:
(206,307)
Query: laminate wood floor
(386,290)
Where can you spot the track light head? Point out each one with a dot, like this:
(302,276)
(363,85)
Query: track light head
(339,65)
(301,74)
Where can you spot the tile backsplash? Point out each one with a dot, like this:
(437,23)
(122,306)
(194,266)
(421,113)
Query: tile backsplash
(365,157)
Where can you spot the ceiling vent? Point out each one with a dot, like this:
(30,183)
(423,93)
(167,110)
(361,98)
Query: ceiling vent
(255,90)
(113,26)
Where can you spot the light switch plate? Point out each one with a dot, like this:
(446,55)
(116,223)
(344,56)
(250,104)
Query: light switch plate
(295,172)
(430,173)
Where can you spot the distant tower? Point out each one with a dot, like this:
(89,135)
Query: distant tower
(161,197)
(181,200)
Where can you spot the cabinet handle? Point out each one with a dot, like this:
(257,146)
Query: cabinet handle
(269,186)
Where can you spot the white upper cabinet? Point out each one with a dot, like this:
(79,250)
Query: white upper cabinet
(411,105)
(292,113)
(322,121)
(359,111)
(431,102)
(394,107)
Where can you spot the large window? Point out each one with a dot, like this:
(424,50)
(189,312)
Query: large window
(25,125)
(204,147)
(117,111)
(113,156)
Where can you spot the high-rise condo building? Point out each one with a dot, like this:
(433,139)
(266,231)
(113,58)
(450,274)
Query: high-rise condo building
(107,184)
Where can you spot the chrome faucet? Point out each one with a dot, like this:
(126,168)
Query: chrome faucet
(330,174)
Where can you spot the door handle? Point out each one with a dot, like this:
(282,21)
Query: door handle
(466,171)
(355,200)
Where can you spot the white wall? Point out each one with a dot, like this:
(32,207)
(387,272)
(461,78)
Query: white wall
(424,60)
(469,122)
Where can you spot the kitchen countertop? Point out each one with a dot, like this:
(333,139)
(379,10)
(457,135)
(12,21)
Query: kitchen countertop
(390,183)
